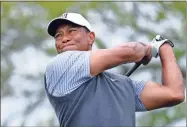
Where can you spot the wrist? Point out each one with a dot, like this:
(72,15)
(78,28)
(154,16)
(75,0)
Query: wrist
(165,49)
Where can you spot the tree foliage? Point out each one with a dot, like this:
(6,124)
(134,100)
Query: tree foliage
(23,25)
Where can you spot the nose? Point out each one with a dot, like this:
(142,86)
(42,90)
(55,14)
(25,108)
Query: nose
(65,39)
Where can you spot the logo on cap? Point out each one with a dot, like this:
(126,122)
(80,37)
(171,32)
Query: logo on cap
(64,15)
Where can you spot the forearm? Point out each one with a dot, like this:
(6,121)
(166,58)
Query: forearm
(171,74)
(132,51)
(171,92)
(104,59)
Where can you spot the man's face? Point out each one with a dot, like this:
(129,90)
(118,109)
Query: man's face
(72,37)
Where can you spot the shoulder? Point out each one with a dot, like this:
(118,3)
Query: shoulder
(67,71)
(67,57)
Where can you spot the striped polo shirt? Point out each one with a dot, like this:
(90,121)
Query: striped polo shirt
(72,69)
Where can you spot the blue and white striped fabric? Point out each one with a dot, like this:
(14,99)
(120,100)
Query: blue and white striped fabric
(72,68)
(138,87)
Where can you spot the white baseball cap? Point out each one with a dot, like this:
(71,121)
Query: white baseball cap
(71,17)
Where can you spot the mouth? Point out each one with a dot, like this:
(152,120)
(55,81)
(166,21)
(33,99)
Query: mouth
(67,44)
(68,47)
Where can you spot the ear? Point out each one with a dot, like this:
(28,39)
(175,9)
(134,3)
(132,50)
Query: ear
(91,37)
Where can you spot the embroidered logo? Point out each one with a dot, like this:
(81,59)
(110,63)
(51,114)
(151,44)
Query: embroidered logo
(64,15)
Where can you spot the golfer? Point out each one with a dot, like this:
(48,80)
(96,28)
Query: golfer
(84,94)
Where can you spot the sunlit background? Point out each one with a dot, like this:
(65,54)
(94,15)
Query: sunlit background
(26,49)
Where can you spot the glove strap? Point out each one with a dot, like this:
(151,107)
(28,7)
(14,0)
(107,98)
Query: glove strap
(160,38)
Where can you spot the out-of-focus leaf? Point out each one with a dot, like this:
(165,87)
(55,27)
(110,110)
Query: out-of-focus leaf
(100,44)
(6,7)
(166,116)
(179,6)
(51,51)
(179,53)
(56,8)
(161,16)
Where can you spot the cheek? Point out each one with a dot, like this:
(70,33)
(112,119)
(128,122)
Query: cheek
(82,43)
(57,44)
(82,40)
(58,49)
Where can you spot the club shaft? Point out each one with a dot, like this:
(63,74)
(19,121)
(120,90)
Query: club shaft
(133,69)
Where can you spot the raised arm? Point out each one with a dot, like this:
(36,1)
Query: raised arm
(171,91)
(104,59)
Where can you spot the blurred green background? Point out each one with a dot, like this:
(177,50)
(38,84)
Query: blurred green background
(26,49)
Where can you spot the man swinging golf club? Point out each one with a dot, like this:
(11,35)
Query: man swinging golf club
(83,94)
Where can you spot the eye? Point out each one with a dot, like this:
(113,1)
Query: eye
(57,35)
(73,30)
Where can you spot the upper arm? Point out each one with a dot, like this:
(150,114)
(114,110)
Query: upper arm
(155,96)
(67,72)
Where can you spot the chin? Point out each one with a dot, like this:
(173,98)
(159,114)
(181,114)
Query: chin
(70,48)
(59,52)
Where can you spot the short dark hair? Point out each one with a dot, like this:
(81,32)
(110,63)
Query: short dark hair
(86,29)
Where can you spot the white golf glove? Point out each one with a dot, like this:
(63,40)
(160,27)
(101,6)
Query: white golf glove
(156,43)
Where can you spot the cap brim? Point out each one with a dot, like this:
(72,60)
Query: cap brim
(54,24)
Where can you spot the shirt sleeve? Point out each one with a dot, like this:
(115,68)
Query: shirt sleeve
(67,72)
(138,87)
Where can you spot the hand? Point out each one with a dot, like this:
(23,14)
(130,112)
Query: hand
(148,55)
(157,42)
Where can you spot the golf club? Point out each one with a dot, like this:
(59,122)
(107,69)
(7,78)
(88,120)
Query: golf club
(157,38)
(132,69)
